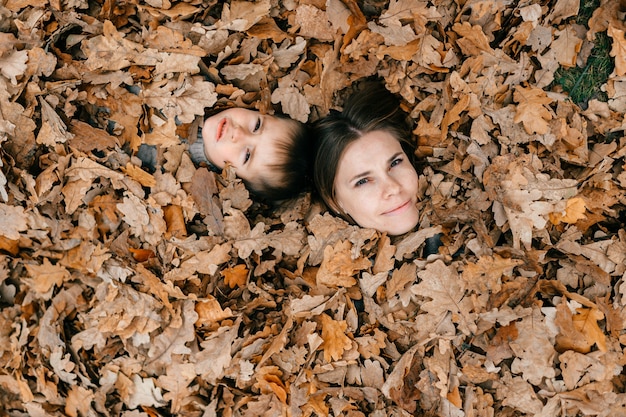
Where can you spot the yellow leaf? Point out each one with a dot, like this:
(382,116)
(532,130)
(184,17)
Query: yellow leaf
(575,209)
(586,322)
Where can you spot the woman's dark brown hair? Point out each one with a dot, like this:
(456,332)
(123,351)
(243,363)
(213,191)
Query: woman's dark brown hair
(370,108)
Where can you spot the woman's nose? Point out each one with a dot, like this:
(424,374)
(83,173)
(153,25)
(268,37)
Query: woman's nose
(391,186)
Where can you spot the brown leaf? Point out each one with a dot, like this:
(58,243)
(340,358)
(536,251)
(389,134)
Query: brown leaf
(338,267)
(532,109)
(175,220)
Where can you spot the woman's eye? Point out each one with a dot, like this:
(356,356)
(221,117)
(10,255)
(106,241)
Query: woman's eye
(361,182)
(257,126)
(395,162)
(247,157)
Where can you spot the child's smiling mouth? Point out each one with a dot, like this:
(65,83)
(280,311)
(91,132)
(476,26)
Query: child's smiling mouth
(219,131)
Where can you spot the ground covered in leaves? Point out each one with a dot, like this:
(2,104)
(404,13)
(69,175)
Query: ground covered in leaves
(130,291)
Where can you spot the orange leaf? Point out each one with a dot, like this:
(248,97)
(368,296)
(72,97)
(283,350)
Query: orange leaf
(335,340)
(579,331)
(235,276)
(175,220)
(142,255)
(9,245)
(586,322)
(139,175)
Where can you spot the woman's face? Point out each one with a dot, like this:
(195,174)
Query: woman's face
(376,184)
(247,140)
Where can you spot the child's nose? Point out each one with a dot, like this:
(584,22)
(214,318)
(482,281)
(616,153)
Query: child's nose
(236,134)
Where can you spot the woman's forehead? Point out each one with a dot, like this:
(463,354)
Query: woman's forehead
(378,144)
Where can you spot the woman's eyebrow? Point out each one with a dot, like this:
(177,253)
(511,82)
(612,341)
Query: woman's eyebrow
(363,174)
(394,156)
(358,176)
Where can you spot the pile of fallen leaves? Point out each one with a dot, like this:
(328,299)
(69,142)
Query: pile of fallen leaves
(132,291)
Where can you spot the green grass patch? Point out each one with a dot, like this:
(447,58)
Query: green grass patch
(584,84)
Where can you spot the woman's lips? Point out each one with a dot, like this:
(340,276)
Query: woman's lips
(399,209)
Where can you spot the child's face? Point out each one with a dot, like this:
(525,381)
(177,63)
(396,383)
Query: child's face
(247,140)
(376,184)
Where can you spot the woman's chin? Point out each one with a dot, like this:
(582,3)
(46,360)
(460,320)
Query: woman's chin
(399,227)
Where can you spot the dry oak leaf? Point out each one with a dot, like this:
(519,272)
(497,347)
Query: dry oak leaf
(87,138)
(143,392)
(139,175)
(242,15)
(579,331)
(418,12)
(394,386)
(215,355)
(384,261)
(44,277)
(335,340)
(175,221)
(145,221)
(174,336)
(400,278)
(235,276)
(338,267)
(562,10)
(181,98)
(53,130)
(534,348)
(13,220)
(532,109)
(579,369)
(210,311)
(175,381)
(268,381)
(445,290)
(162,133)
(566,47)
(78,401)
(618,50)
(371,345)
(473,40)
(121,311)
(111,52)
(13,65)
(575,209)
(313,23)
(518,394)
(486,274)
(293,103)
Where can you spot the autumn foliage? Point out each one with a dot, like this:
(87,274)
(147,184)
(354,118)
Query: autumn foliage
(135,290)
